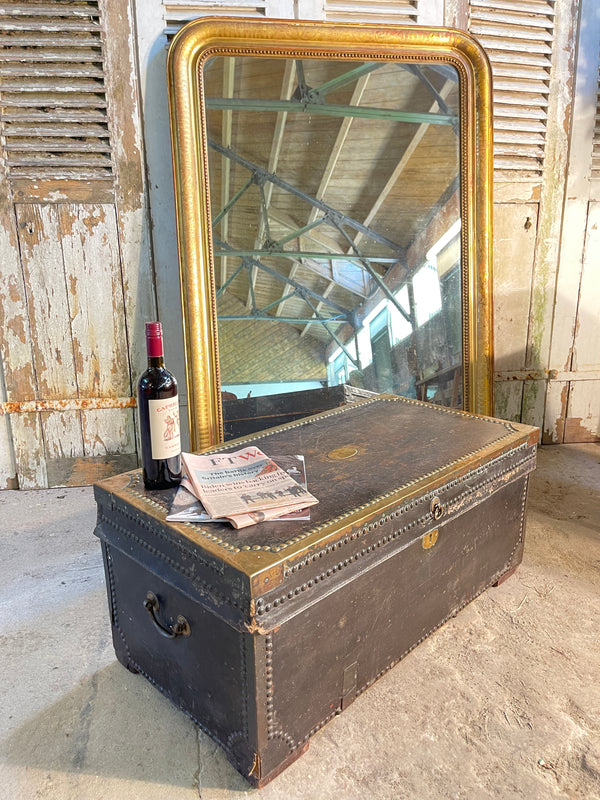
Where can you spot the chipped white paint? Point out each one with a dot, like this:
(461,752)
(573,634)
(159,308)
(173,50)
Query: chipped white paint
(109,432)
(583,412)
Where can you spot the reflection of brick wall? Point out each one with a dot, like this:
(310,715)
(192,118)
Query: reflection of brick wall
(252,351)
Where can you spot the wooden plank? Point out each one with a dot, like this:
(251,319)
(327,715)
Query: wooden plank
(8,466)
(97,316)
(508,397)
(49,321)
(577,292)
(582,423)
(47,303)
(25,451)
(92,272)
(30,457)
(131,201)
(557,395)
(515,227)
(13,333)
(586,349)
(534,402)
(553,189)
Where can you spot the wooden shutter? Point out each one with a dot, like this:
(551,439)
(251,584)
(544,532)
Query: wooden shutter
(518,37)
(53,117)
(178,12)
(75,279)
(392,11)
(596,144)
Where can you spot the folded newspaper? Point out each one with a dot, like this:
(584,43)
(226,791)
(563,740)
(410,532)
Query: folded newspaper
(243,488)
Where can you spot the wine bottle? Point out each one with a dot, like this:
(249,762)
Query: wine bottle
(158,410)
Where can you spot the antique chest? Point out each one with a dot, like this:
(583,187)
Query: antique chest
(421,508)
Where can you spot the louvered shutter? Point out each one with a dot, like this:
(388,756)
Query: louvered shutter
(518,37)
(392,11)
(178,12)
(53,113)
(75,271)
(596,144)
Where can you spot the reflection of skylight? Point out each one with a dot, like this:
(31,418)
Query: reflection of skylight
(428,297)
(348,274)
(399,325)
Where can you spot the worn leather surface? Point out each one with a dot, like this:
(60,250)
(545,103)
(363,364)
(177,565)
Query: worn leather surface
(398,442)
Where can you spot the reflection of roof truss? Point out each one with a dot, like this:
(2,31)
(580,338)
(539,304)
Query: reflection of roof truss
(314,300)
(297,97)
(310,99)
(331,216)
(330,110)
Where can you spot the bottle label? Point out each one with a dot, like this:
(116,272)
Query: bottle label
(164,427)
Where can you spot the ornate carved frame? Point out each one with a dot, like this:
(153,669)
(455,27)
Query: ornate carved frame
(207,37)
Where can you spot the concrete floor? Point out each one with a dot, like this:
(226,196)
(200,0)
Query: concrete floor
(501,702)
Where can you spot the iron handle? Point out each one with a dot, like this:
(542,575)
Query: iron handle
(181,626)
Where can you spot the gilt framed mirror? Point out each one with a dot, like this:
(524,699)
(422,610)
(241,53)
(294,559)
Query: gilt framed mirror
(333,201)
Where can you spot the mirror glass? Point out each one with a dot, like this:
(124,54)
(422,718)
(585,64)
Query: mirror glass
(333,199)
(336,229)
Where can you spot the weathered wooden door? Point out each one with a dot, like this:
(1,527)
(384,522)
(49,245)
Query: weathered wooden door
(544,56)
(573,404)
(75,275)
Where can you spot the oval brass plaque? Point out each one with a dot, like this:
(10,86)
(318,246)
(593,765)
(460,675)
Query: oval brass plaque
(340,453)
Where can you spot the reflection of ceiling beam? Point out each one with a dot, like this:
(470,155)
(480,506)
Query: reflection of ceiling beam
(401,165)
(330,110)
(356,74)
(228,79)
(339,142)
(392,181)
(287,88)
(441,100)
(311,298)
(263,175)
(302,291)
(274,252)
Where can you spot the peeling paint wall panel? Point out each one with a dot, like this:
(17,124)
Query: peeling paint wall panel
(29,451)
(583,413)
(515,227)
(534,402)
(560,99)
(46,298)
(508,397)
(108,431)
(557,395)
(131,195)
(48,314)
(586,348)
(17,362)
(97,317)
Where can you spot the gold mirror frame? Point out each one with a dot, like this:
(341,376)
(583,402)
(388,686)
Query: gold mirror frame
(207,37)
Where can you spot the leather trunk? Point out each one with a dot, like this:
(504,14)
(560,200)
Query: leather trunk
(262,635)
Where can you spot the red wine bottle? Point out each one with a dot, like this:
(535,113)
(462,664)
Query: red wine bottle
(158,410)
